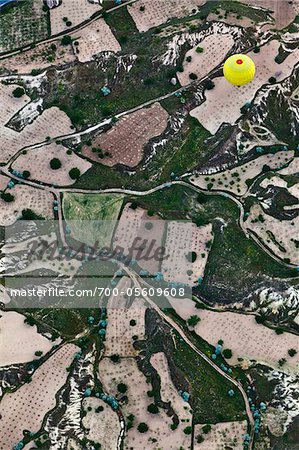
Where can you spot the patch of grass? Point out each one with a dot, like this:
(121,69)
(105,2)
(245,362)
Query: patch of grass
(91,216)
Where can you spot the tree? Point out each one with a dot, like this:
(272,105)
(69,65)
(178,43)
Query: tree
(7,197)
(66,40)
(74,173)
(142,427)
(292,352)
(193,321)
(200,439)
(18,92)
(38,353)
(206,428)
(26,174)
(272,80)
(199,50)
(193,76)
(188,430)
(133,322)
(152,408)
(28,214)
(115,358)
(209,84)
(279,330)
(55,164)
(227,353)
(122,388)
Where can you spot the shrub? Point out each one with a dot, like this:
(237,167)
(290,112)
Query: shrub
(133,323)
(188,430)
(200,439)
(142,427)
(142,8)
(292,352)
(74,173)
(189,58)
(272,80)
(199,50)
(18,92)
(55,163)
(152,408)
(68,23)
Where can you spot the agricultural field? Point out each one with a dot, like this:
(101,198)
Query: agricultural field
(94,39)
(20,347)
(25,408)
(221,436)
(92,217)
(70,14)
(280,235)
(201,59)
(23,24)
(25,197)
(238,180)
(38,161)
(124,143)
(248,340)
(213,113)
(148,14)
(41,56)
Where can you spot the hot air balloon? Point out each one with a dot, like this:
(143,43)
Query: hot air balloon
(239,69)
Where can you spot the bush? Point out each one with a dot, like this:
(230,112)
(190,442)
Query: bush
(122,388)
(189,59)
(68,23)
(256,50)
(133,323)
(199,50)
(142,427)
(188,430)
(26,174)
(55,163)
(66,40)
(7,197)
(18,92)
(152,408)
(200,439)
(272,80)
(193,76)
(74,173)
(142,8)
(227,353)
(292,352)
(279,331)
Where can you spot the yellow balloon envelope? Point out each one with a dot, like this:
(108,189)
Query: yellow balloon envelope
(239,69)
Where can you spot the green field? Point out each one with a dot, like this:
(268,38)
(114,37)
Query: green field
(89,216)
(23,24)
